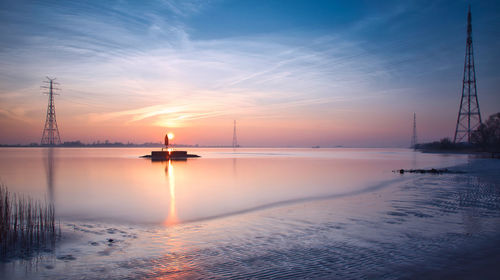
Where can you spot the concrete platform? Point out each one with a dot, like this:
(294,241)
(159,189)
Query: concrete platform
(166,155)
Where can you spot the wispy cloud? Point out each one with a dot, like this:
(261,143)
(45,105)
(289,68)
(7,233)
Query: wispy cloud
(153,72)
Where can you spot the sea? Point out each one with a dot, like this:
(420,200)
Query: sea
(259,213)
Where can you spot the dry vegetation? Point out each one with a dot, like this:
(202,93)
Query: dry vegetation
(26,225)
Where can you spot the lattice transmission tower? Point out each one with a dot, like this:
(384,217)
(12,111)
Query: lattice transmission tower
(414,136)
(235,139)
(50,136)
(469,116)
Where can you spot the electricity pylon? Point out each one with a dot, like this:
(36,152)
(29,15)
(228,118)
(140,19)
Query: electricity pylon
(414,136)
(469,116)
(50,135)
(235,139)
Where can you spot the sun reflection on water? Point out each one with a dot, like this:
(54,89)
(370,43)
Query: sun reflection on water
(172,265)
(172,213)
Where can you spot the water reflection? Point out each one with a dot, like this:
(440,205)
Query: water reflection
(172,213)
(50,169)
(414,160)
(172,264)
(234,168)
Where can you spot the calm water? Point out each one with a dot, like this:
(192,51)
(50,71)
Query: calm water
(115,185)
(249,213)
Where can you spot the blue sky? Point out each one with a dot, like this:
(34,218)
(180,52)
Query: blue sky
(293,73)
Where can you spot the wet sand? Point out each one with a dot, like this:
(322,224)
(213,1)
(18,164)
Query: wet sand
(423,226)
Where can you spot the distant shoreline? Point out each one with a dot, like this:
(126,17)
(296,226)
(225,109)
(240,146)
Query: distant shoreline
(195,146)
(123,146)
(484,154)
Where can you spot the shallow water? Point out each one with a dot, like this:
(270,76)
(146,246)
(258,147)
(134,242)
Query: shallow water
(255,213)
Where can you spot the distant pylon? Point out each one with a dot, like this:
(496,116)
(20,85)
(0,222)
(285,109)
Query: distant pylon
(414,137)
(50,135)
(469,116)
(235,139)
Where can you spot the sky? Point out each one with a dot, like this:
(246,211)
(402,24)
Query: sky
(291,73)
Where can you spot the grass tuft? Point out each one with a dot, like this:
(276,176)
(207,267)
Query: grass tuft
(26,225)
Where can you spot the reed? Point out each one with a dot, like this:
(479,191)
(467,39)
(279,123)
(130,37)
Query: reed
(26,225)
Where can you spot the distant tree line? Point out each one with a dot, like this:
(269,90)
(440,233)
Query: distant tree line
(94,144)
(486,138)
(106,143)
